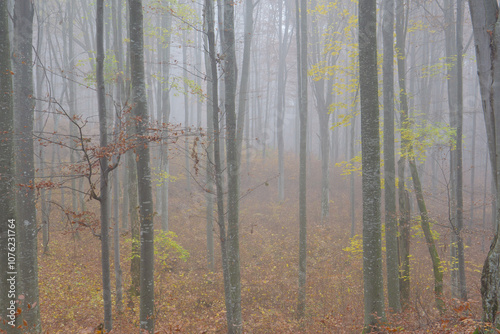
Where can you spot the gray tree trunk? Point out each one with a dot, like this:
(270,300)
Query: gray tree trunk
(210,145)
(218,164)
(140,110)
(165,100)
(103,160)
(116,18)
(462,286)
(302,86)
(186,111)
(7,200)
(391,225)
(486,27)
(25,171)
(233,168)
(404,213)
(372,231)
(283,40)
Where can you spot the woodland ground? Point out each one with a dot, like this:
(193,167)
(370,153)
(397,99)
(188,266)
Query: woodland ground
(189,299)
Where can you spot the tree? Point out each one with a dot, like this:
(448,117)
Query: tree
(103,160)
(486,27)
(7,203)
(140,110)
(403,197)
(233,167)
(209,17)
(391,226)
(372,232)
(302,89)
(25,171)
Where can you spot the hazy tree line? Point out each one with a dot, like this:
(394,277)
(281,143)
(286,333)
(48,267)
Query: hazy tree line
(222,83)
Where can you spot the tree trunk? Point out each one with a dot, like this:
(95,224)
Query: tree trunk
(372,232)
(140,110)
(104,188)
(233,168)
(486,27)
(302,86)
(218,164)
(404,214)
(391,225)
(25,171)
(7,200)
(462,286)
(210,144)
(186,111)
(166,23)
(429,239)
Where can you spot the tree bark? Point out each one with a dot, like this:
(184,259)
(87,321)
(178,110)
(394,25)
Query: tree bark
(233,168)
(7,200)
(391,225)
(218,164)
(486,27)
(140,111)
(103,160)
(372,232)
(302,86)
(429,239)
(404,214)
(25,171)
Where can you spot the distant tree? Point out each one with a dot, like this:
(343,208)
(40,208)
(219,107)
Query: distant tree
(302,44)
(372,231)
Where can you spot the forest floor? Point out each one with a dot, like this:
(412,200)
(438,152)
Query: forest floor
(189,299)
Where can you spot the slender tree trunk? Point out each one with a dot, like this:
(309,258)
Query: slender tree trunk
(280,113)
(372,232)
(391,225)
(233,168)
(186,111)
(462,286)
(140,110)
(429,239)
(218,164)
(116,18)
(210,142)
(165,101)
(404,214)
(302,86)
(25,171)
(104,187)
